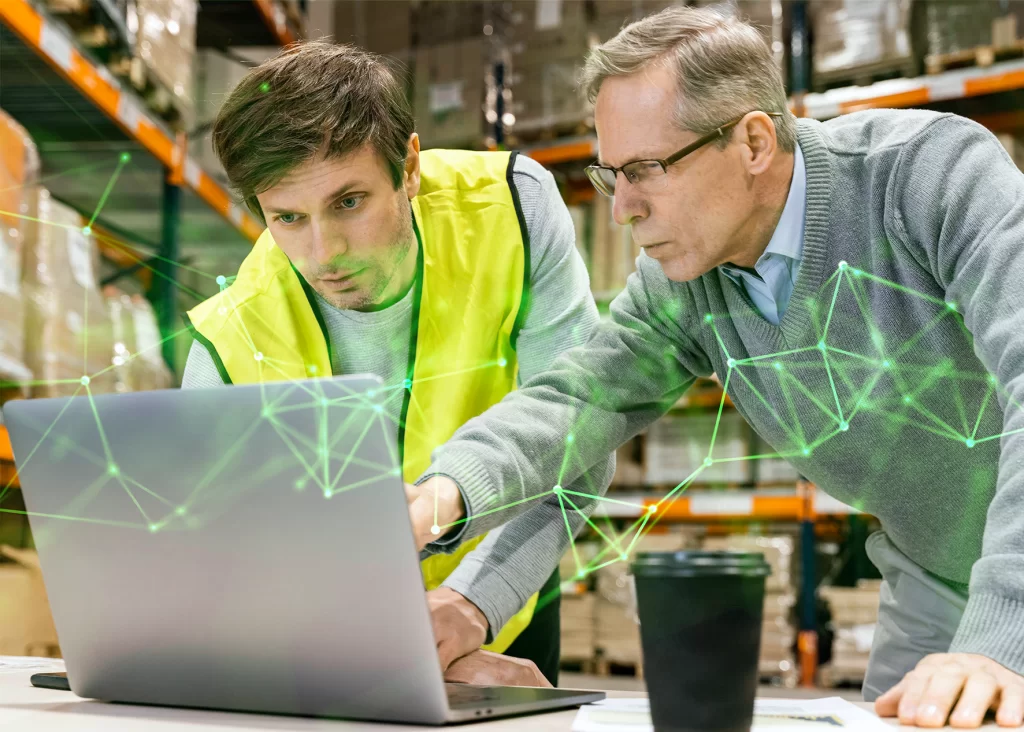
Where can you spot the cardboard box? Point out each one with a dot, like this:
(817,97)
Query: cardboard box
(853,34)
(449,94)
(26,624)
(19,171)
(149,370)
(678,444)
(69,330)
(166,43)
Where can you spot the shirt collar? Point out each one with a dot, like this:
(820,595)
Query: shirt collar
(788,239)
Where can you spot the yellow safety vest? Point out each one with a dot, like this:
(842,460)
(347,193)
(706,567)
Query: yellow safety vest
(470,300)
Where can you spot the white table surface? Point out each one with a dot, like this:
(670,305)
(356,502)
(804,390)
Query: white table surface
(24,707)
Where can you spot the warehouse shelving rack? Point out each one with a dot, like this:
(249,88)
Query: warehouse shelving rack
(53,86)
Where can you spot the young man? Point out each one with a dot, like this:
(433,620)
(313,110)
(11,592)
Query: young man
(857,285)
(449,274)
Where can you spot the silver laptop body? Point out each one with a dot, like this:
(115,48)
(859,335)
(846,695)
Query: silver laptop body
(243,548)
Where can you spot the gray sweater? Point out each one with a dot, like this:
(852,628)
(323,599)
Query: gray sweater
(514,561)
(912,282)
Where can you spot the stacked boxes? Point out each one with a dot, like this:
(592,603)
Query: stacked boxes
(68,323)
(678,444)
(579,627)
(149,370)
(449,96)
(166,43)
(778,632)
(550,44)
(612,252)
(123,330)
(854,617)
(852,37)
(19,170)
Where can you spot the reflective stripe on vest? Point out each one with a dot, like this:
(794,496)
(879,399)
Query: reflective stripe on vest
(470,300)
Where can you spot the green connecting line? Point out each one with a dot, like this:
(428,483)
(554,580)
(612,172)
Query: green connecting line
(494,510)
(832,383)
(42,439)
(102,522)
(984,403)
(568,529)
(106,192)
(590,523)
(832,306)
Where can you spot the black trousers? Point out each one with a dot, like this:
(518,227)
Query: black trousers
(541,642)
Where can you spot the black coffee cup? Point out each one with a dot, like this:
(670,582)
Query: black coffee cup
(700,625)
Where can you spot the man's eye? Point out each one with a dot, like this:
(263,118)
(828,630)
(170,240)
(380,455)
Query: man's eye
(350,203)
(287,219)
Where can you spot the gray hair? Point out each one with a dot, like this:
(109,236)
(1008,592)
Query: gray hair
(723,66)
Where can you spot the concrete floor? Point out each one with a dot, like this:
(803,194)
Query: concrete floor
(569,680)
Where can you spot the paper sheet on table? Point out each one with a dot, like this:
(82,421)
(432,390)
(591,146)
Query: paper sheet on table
(21,664)
(770,715)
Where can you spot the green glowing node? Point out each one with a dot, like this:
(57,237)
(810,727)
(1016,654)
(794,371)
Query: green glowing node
(407,384)
(265,87)
(378,408)
(258,355)
(857,273)
(886,363)
(624,557)
(951,306)
(806,451)
(267,413)
(731,363)
(300,485)
(580,574)
(222,310)
(113,469)
(323,402)
(328,493)
(85,381)
(652,509)
(126,157)
(907,399)
(557,489)
(87,230)
(153,528)
(180,510)
(222,280)
(435,529)
(778,366)
(843,265)
(708,318)
(502,362)
(570,438)
(707,462)
(311,368)
(844,426)
(821,346)
(371,394)
(969,442)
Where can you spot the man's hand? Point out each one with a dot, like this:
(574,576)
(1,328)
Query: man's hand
(926,695)
(433,505)
(484,668)
(459,626)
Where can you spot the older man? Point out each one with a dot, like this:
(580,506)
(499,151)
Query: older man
(857,286)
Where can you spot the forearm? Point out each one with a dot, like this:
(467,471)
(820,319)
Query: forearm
(515,560)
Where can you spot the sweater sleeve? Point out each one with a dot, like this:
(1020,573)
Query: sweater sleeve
(957,198)
(571,416)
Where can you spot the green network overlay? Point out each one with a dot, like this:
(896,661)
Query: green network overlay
(325,468)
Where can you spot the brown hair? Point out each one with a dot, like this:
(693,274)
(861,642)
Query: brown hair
(312,98)
(723,67)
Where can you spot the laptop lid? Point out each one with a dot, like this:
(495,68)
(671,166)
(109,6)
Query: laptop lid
(241,548)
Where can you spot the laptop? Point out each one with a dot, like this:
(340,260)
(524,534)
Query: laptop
(244,548)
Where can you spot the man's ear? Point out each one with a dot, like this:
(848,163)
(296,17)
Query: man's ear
(756,132)
(411,178)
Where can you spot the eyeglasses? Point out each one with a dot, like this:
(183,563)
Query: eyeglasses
(640,171)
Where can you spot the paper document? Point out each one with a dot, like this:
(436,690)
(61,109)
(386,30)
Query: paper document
(770,715)
(21,664)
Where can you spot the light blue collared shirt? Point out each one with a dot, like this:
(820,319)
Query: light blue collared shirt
(776,270)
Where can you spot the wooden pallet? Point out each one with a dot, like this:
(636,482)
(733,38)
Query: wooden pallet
(607,667)
(578,665)
(865,74)
(981,56)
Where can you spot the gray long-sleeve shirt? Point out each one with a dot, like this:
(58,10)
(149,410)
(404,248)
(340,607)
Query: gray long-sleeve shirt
(515,560)
(895,380)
